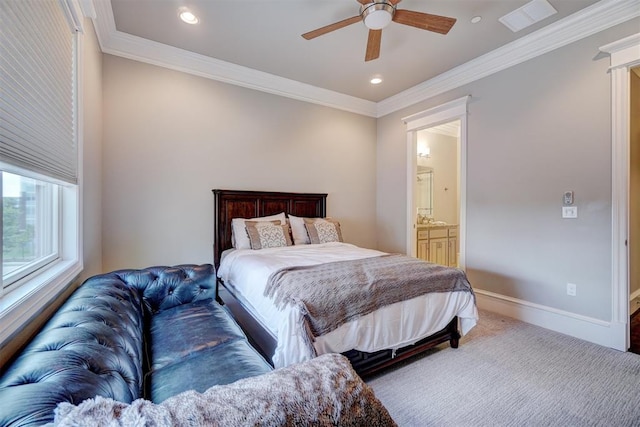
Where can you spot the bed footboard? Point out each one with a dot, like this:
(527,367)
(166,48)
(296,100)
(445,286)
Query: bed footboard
(369,363)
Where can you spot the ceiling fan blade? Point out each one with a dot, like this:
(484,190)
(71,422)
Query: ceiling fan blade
(425,21)
(373,45)
(394,2)
(364,1)
(331,27)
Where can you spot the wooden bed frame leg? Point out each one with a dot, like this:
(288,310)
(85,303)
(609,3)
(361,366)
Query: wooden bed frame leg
(453,330)
(454,342)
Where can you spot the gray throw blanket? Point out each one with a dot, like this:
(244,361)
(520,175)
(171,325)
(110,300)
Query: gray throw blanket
(324,391)
(334,293)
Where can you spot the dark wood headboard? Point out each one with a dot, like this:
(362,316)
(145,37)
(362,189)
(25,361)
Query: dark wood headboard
(229,204)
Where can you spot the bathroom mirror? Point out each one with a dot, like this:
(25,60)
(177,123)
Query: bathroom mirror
(424,193)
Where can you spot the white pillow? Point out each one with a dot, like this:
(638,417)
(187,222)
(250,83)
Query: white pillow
(299,231)
(239,236)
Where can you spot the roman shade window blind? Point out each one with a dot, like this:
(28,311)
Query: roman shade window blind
(37,90)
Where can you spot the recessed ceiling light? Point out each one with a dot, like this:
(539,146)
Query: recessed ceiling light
(376,80)
(187,16)
(476,19)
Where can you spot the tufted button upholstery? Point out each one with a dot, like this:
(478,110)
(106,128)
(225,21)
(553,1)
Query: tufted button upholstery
(98,342)
(165,287)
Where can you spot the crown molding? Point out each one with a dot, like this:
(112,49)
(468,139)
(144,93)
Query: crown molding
(593,19)
(125,45)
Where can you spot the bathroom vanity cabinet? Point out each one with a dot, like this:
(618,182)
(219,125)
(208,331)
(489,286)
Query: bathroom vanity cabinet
(438,244)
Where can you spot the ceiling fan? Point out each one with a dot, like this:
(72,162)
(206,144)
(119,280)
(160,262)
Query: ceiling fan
(377,14)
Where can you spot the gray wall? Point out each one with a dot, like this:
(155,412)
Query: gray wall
(91,152)
(534,131)
(170,138)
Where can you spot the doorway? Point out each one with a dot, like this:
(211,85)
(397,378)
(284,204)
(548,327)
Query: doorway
(437,194)
(624,55)
(441,130)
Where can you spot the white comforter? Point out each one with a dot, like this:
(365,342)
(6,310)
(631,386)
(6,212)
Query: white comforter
(246,271)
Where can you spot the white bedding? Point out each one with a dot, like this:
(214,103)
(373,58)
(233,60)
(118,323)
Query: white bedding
(246,271)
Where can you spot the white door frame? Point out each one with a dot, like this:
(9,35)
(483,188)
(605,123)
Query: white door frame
(451,111)
(624,54)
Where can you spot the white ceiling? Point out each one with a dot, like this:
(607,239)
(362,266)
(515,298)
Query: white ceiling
(263,37)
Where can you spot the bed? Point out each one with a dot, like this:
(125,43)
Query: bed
(380,338)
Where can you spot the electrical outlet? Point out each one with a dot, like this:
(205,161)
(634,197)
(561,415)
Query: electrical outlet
(571,289)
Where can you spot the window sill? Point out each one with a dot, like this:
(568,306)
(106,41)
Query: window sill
(18,306)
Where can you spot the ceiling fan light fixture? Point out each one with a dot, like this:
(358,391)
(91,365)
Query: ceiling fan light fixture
(377,15)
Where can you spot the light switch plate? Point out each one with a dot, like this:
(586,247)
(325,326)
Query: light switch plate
(569,212)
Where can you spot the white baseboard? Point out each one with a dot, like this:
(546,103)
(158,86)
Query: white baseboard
(634,295)
(608,334)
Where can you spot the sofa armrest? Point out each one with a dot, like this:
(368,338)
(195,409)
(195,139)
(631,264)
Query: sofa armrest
(91,346)
(166,287)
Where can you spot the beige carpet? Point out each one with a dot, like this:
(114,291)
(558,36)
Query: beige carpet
(509,373)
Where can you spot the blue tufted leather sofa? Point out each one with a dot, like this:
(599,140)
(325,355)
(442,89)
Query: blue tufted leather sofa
(149,333)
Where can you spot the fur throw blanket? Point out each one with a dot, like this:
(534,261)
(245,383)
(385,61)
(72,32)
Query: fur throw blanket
(324,391)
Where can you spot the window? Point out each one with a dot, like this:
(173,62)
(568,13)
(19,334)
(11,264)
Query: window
(40,212)
(41,250)
(29,226)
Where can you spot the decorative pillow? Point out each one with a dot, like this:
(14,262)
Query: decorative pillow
(299,229)
(323,231)
(239,236)
(268,234)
